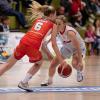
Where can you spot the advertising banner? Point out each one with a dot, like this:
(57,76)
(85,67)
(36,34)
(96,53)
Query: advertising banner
(8,42)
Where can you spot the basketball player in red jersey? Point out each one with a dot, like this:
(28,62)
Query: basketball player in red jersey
(30,44)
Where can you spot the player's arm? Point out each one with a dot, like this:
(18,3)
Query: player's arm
(45,49)
(75,42)
(54,44)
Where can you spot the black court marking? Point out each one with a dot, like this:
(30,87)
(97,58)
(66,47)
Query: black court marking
(53,89)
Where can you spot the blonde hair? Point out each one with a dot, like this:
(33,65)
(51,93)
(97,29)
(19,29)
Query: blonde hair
(37,10)
(63,18)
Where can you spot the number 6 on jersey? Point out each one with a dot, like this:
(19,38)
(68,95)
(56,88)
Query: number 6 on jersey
(38,26)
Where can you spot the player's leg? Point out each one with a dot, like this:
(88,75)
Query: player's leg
(79,69)
(18,54)
(65,54)
(6,66)
(75,62)
(52,70)
(32,71)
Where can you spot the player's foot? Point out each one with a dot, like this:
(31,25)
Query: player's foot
(23,86)
(79,76)
(47,83)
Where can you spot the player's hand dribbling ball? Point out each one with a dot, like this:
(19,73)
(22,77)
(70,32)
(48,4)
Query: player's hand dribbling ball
(64,71)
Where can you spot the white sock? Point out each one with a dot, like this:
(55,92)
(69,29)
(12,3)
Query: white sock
(27,78)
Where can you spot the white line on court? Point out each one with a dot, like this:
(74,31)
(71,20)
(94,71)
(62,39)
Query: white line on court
(53,89)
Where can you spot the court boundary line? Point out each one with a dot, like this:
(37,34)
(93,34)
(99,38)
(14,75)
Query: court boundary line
(52,89)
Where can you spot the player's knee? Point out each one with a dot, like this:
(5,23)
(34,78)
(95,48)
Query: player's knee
(38,64)
(74,64)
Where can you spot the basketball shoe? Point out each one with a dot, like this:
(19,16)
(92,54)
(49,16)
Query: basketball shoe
(23,86)
(47,83)
(79,76)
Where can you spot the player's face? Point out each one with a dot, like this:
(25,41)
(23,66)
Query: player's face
(53,16)
(60,24)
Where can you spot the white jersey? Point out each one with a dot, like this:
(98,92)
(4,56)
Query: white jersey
(65,39)
(65,45)
(68,48)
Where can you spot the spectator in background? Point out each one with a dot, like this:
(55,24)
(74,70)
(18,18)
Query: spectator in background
(4,24)
(17,4)
(42,2)
(91,9)
(97,33)
(90,38)
(98,6)
(75,7)
(92,6)
(78,20)
(76,10)
(48,2)
(85,14)
(9,11)
(61,11)
(66,4)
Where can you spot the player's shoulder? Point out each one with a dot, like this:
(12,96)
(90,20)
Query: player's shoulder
(45,21)
(38,19)
(70,28)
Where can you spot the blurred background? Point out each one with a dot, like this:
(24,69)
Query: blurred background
(84,15)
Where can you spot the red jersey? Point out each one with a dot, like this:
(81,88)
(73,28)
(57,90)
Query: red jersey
(36,34)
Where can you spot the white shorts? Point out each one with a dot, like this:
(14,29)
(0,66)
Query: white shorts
(67,49)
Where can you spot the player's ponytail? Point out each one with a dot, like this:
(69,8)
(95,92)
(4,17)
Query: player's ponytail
(34,11)
(37,10)
(47,10)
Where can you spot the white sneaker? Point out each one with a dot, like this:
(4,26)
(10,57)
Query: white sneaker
(47,83)
(79,76)
(23,86)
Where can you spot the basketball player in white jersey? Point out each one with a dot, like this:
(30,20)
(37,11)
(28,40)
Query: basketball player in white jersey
(68,43)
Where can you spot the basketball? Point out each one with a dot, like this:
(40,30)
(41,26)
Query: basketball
(64,72)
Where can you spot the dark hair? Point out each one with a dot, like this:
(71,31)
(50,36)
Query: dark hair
(3,18)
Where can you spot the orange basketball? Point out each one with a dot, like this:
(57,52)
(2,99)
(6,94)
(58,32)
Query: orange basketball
(64,72)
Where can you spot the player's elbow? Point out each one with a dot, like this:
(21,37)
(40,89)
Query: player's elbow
(53,41)
(53,44)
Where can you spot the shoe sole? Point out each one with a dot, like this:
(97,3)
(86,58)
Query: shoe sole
(46,84)
(28,90)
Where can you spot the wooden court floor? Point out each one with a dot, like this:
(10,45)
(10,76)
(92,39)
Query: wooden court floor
(14,76)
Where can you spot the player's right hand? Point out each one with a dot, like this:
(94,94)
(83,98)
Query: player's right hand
(64,64)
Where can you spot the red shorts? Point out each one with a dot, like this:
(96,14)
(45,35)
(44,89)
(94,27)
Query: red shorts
(23,49)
